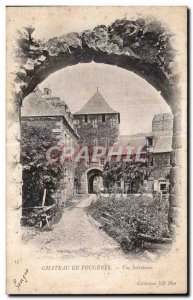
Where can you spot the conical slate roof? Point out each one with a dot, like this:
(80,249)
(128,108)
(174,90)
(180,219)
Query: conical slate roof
(96,105)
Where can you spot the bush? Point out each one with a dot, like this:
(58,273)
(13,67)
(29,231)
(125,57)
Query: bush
(124,219)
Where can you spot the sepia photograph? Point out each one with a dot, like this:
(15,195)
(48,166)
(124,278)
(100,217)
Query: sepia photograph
(96,124)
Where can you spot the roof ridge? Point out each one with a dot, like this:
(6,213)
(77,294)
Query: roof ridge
(96,105)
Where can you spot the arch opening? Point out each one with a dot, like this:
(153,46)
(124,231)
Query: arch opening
(86,48)
(118,86)
(95,181)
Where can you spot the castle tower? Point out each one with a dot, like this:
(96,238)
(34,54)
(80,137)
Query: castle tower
(97,123)
(162,124)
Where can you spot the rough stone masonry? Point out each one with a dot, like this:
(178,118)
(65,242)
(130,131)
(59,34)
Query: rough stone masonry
(141,46)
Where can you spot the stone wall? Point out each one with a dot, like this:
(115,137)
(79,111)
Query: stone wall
(38,127)
(38,134)
(161,165)
(162,124)
(177,180)
(96,132)
(81,172)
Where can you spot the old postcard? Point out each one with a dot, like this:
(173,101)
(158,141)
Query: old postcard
(96,150)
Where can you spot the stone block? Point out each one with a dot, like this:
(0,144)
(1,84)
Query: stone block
(177,123)
(175,175)
(175,200)
(174,214)
(176,157)
(176,141)
(173,230)
(175,188)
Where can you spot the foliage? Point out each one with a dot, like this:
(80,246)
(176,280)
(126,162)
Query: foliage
(124,219)
(38,173)
(133,172)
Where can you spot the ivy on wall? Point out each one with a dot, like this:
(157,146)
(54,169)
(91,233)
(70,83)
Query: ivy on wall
(38,173)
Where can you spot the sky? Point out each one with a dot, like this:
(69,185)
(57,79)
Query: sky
(135,99)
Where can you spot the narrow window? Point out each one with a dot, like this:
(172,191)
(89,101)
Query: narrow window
(149,141)
(103,118)
(114,122)
(95,123)
(102,161)
(85,119)
(164,187)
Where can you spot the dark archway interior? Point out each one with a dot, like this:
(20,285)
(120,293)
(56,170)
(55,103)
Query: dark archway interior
(90,179)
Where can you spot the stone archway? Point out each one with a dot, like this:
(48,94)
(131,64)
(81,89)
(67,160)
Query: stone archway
(126,44)
(139,46)
(91,175)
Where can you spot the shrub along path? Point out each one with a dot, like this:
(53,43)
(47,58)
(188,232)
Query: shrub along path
(126,218)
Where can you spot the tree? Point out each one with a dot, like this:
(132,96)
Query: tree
(132,174)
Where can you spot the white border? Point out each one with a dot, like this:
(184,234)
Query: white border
(5,3)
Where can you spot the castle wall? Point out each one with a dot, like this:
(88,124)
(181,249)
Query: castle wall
(161,165)
(96,132)
(162,124)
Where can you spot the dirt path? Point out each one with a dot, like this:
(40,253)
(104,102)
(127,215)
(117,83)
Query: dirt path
(76,235)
